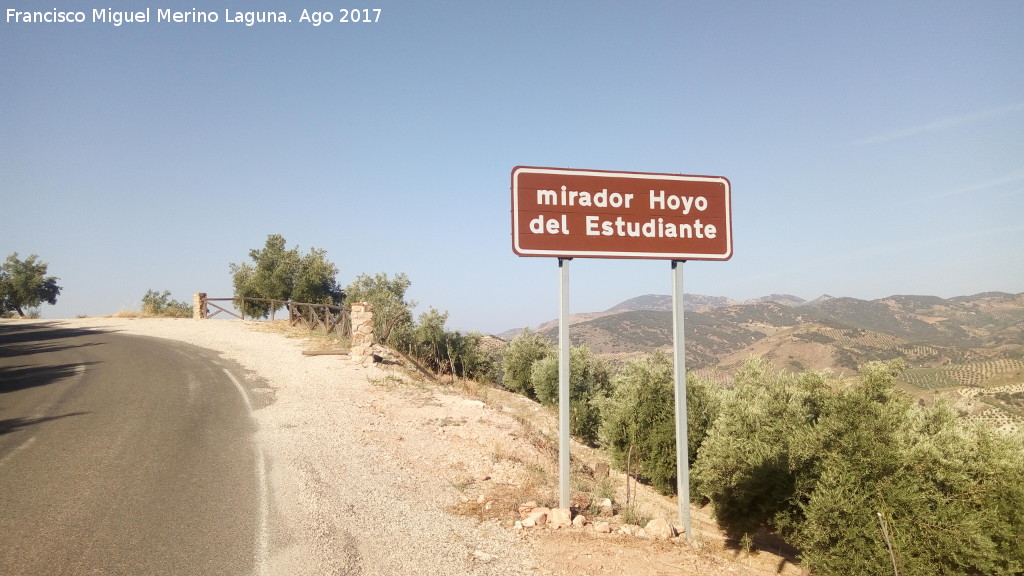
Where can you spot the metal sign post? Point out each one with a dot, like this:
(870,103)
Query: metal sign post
(682,437)
(563,384)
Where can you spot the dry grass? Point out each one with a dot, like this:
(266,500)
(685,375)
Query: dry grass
(316,339)
(146,314)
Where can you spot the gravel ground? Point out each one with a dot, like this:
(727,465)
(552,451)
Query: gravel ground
(361,470)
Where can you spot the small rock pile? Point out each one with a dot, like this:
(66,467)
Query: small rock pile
(534,516)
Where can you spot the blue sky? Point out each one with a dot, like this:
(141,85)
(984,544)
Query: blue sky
(874,148)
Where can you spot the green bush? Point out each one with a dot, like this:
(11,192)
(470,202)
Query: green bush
(279,273)
(589,382)
(827,464)
(444,351)
(160,304)
(640,413)
(24,285)
(468,357)
(743,466)
(427,340)
(942,486)
(518,359)
(392,313)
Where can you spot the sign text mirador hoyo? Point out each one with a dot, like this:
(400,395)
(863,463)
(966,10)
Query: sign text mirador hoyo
(568,213)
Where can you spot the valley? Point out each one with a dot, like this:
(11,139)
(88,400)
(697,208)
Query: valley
(968,350)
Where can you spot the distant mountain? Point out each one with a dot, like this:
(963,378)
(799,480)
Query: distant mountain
(974,342)
(787,299)
(645,302)
(834,333)
(695,302)
(818,301)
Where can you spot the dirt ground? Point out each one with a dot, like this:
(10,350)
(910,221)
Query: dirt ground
(524,468)
(584,553)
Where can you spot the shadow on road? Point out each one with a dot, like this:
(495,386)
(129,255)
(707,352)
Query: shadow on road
(19,340)
(15,424)
(14,378)
(12,350)
(40,337)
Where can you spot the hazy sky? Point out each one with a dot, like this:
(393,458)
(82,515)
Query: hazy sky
(874,148)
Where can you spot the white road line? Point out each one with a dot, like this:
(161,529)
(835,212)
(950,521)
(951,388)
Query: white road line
(263,531)
(241,390)
(11,454)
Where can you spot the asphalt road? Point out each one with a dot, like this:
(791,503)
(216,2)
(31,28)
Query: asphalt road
(124,455)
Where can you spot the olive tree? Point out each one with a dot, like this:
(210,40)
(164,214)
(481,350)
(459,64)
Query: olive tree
(161,304)
(589,382)
(24,284)
(447,351)
(743,466)
(638,419)
(517,361)
(279,273)
(392,313)
(861,479)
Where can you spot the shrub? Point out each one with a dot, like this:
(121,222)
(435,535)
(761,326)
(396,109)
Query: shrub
(640,413)
(517,361)
(427,340)
(392,313)
(942,487)
(447,352)
(468,357)
(25,285)
(160,304)
(743,466)
(278,273)
(828,464)
(589,381)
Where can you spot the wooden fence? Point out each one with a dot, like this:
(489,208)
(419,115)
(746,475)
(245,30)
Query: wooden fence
(313,316)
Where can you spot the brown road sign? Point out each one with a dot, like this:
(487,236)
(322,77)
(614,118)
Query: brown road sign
(567,213)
